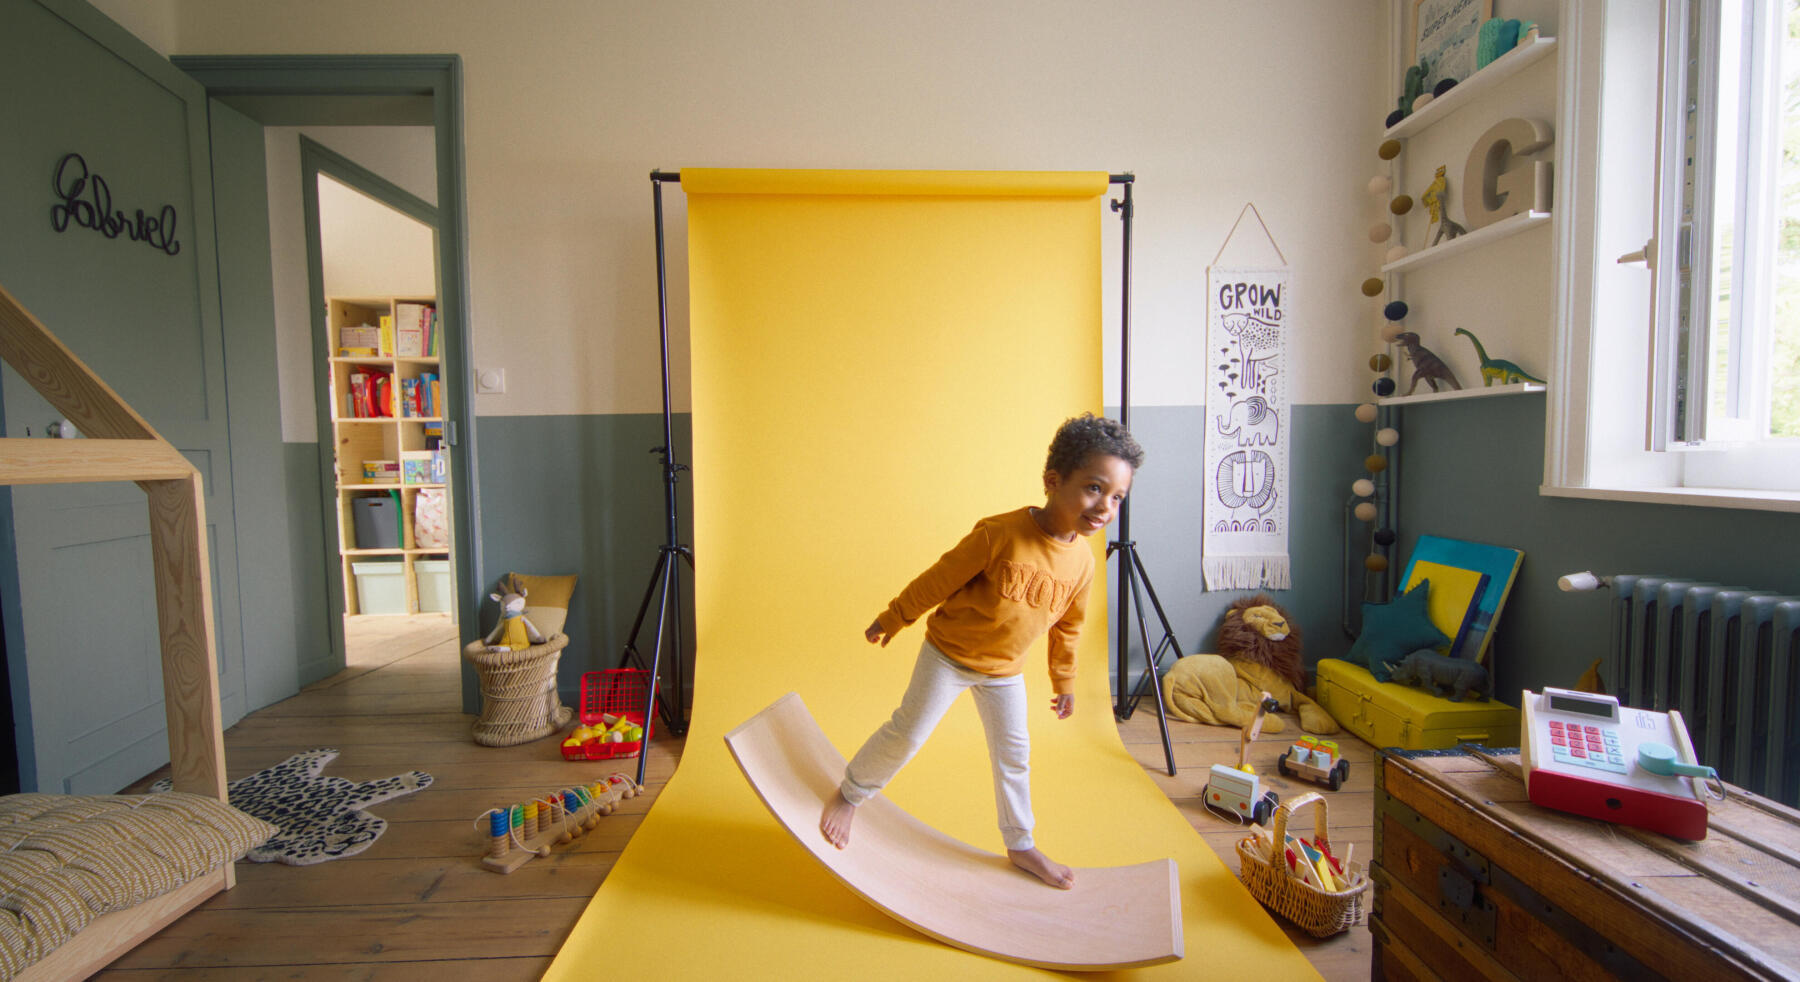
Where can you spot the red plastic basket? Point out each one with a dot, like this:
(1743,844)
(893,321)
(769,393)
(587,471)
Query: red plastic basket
(619,692)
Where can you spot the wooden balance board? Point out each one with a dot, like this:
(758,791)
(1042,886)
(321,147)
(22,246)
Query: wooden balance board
(1114,917)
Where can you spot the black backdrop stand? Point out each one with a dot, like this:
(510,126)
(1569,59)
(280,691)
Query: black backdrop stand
(665,580)
(1131,566)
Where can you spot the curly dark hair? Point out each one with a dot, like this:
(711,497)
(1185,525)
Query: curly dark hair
(1079,439)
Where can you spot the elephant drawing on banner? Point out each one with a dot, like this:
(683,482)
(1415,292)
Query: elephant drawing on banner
(1253,423)
(1246,479)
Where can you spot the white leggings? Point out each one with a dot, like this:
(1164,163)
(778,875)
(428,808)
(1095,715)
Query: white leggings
(936,682)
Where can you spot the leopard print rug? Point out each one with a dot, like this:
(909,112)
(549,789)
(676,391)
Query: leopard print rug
(320,818)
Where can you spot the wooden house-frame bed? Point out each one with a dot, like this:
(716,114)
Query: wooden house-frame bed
(119,445)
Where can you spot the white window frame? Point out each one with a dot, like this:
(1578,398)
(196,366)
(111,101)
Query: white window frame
(1608,434)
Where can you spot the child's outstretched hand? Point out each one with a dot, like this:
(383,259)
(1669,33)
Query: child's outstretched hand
(876,635)
(1063,705)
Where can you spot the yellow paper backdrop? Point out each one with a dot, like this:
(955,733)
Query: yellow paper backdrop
(880,359)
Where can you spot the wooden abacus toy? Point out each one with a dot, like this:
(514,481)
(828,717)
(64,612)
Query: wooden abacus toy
(526,831)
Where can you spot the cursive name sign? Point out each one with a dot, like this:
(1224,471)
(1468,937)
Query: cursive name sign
(84,199)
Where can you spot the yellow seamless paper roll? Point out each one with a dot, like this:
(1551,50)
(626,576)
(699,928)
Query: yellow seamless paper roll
(872,373)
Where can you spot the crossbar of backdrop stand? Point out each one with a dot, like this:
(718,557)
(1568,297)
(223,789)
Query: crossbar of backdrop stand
(1131,566)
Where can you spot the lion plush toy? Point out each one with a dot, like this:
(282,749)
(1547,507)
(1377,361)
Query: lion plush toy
(1259,651)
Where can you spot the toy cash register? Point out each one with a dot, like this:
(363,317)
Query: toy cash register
(1585,753)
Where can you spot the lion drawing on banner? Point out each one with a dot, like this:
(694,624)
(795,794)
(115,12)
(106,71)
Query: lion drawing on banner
(1246,479)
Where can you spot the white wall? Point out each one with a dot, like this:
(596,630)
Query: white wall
(371,250)
(1211,103)
(404,155)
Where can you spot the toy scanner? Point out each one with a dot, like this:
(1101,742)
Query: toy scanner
(1584,753)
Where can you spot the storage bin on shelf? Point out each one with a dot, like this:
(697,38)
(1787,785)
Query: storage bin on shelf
(518,692)
(380,586)
(616,692)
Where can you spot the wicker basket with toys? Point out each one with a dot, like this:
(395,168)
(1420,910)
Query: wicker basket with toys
(1302,879)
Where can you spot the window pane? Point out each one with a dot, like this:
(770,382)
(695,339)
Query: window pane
(1784,368)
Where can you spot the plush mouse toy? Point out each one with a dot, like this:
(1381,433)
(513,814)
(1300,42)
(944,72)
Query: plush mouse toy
(515,631)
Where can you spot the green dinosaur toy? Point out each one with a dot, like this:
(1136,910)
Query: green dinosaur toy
(1497,369)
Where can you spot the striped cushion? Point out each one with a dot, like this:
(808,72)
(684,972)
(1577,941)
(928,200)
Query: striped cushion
(67,859)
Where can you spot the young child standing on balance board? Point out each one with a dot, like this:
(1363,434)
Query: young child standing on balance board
(1015,577)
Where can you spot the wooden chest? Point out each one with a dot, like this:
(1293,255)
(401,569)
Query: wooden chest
(1473,881)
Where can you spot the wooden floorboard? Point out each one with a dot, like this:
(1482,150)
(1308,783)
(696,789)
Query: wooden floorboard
(417,905)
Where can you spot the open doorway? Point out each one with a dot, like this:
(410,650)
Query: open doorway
(379,374)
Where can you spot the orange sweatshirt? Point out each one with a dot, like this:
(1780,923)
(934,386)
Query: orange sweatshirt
(1005,584)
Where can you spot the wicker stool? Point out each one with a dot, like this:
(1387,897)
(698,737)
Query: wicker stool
(518,692)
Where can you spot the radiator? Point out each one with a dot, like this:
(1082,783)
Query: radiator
(1726,657)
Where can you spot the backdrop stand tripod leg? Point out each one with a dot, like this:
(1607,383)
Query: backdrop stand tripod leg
(1131,570)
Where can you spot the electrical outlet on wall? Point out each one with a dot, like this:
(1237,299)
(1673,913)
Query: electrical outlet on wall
(490,381)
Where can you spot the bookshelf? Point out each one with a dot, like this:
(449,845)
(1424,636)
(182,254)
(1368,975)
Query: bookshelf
(387,419)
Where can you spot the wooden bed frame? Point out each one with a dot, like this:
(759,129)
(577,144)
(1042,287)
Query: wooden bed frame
(120,446)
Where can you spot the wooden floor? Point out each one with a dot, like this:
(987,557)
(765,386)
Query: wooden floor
(417,904)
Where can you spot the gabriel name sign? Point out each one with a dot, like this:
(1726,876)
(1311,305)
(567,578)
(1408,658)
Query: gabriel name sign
(84,199)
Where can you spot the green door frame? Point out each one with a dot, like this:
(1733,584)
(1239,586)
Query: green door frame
(301,90)
(316,159)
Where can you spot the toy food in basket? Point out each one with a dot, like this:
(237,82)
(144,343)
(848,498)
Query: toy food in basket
(612,716)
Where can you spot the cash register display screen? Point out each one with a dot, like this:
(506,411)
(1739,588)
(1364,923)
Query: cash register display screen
(1585,707)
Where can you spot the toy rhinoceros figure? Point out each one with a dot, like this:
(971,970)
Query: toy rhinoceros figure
(1437,674)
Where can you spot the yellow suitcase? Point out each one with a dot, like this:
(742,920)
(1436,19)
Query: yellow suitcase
(1388,714)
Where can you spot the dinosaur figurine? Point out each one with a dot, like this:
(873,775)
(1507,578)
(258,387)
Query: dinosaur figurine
(1435,200)
(1497,369)
(1426,366)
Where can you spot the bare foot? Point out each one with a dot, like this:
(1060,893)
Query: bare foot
(835,822)
(1039,865)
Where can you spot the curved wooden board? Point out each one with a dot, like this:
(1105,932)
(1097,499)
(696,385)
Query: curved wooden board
(1114,917)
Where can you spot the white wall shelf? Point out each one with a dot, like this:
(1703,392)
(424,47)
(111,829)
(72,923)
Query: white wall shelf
(1497,71)
(1511,225)
(1515,389)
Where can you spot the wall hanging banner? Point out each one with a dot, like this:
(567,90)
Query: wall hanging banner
(1245,545)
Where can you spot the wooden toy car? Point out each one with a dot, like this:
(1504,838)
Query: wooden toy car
(1316,760)
(1237,791)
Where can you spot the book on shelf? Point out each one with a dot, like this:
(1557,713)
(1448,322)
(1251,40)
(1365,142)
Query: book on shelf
(412,327)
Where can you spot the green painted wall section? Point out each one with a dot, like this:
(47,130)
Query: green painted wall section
(1166,523)
(1471,470)
(583,495)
